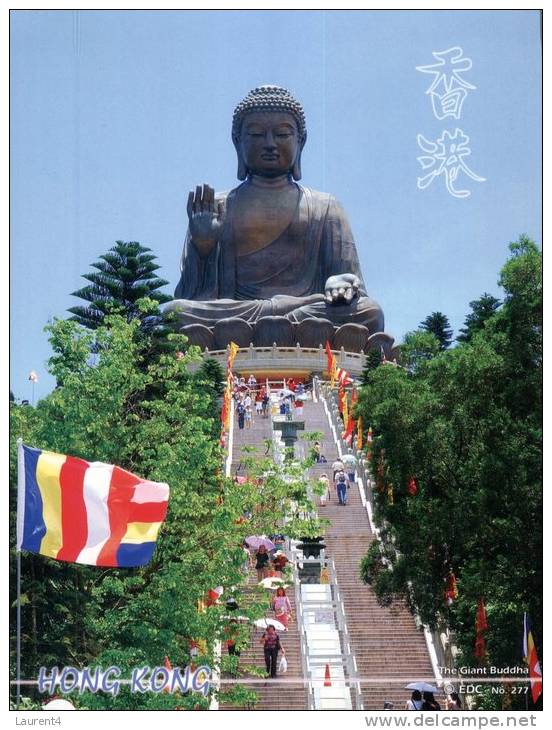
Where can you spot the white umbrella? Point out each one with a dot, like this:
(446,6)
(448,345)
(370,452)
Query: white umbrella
(273,583)
(58,704)
(264,623)
(421,686)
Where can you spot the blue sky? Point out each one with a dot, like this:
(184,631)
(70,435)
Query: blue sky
(115,115)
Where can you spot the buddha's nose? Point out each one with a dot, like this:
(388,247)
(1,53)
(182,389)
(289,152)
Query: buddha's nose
(269,142)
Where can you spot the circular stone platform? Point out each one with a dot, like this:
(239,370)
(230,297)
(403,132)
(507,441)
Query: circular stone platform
(295,361)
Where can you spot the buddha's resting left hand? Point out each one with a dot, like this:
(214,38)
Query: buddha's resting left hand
(341,288)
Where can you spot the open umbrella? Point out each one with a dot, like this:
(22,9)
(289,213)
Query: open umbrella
(421,686)
(272,583)
(58,704)
(255,542)
(264,623)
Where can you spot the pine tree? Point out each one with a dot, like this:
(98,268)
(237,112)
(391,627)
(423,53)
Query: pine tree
(373,360)
(124,274)
(482,309)
(438,324)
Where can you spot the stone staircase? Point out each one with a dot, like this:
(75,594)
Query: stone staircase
(287,691)
(390,651)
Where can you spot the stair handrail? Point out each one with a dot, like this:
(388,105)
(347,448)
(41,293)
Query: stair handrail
(435,648)
(305,670)
(350,661)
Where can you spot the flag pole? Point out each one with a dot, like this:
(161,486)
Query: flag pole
(20,511)
(18,633)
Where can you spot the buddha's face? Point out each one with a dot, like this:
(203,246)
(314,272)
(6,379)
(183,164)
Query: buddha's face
(269,143)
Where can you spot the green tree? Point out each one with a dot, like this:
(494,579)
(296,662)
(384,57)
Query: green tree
(151,415)
(417,349)
(125,274)
(373,360)
(467,427)
(438,324)
(482,309)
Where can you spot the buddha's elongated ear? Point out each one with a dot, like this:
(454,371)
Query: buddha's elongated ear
(296,168)
(242,169)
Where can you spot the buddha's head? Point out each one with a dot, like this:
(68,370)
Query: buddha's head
(269,133)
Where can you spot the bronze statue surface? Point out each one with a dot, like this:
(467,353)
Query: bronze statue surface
(271,260)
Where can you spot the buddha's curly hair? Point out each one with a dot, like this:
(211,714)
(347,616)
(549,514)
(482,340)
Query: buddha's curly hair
(269,99)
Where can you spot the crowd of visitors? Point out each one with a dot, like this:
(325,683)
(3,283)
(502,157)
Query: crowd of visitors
(254,400)
(426,702)
(268,563)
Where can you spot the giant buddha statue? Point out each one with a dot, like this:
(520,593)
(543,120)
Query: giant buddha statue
(271,261)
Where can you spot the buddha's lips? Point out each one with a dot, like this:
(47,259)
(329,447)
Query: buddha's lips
(270,157)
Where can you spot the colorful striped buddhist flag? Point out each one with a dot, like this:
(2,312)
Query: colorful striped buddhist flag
(532,659)
(86,512)
(343,377)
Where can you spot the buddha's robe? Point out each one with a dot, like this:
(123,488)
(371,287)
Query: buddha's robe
(285,277)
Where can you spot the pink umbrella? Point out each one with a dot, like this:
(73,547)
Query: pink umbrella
(255,542)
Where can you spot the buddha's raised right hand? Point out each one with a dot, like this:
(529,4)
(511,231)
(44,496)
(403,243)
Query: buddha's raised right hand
(206,219)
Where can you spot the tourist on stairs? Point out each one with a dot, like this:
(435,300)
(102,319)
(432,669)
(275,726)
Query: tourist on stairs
(262,559)
(415,701)
(350,463)
(430,703)
(282,607)
(271,642)
(337,466)
(341,485)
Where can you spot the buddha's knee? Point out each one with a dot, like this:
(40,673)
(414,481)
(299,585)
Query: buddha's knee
(371,314)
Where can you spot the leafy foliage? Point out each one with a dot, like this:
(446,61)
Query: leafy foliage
(467,426)
(418,347)
(482,309)
(123,401)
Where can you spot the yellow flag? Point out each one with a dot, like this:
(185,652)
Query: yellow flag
(345,412)
(359,433)
(233,350)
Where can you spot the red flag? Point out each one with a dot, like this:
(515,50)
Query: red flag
(481,617)
(451,590)
(347,435)
(330,357)
(412,486)
(480,627)
(532,659)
